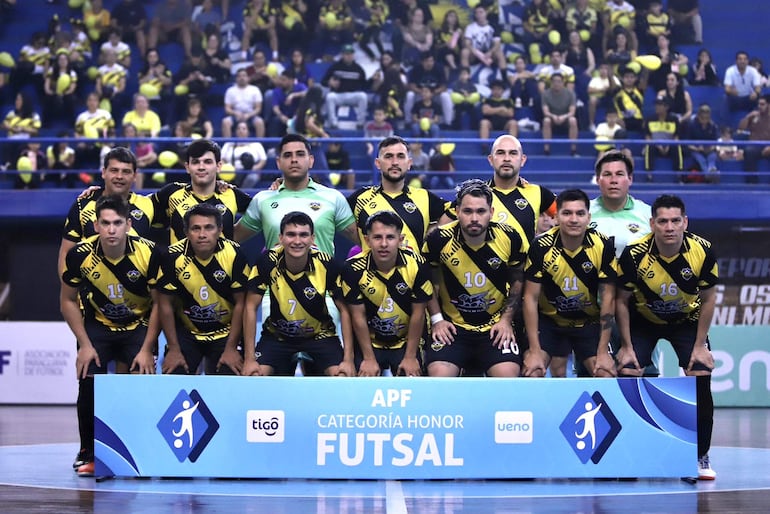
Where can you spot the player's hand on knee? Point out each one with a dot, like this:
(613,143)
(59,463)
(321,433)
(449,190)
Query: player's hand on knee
(173,360)
(534,364)
(443,332)
(232,359)
(143,364)
(369,368)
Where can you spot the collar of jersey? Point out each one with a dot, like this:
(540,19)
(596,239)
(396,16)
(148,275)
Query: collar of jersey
(310,185)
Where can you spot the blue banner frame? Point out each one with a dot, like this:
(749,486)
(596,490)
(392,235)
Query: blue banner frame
(394,428)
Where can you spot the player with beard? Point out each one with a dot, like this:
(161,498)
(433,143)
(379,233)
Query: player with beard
(419,208)
(477,281)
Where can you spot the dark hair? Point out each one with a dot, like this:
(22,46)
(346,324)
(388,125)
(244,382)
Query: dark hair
(387,218)
(741,52)
(474,187)
(292,138)
(113,203)
(120,154)
(298,218)
(197,148)
(203,209)
(667,201)
(612,156)
(390,141)
(572,195)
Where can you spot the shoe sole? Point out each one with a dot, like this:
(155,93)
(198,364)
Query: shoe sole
(707,478)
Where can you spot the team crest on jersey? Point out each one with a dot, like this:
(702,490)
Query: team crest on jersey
(219,275)
(310,292)
(221,208)
(687,273)
(437,346)
(315,205)
(521,204)
(495,262)
(410,207)
(402,288)
(587,266)
(133,275)
(274,205)
(137,214)
(634,228)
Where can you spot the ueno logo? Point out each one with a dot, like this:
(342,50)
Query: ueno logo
(514,427)
(265,426)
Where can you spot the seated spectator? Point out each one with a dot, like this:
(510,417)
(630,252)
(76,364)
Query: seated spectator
(243,102)
(497,114)
(629,100)
(258,73)
(449,41)
(619,53)
(671,61)
(442,162)
(581,59)
(299,68)
(130,18)
(656,22)
(601,91)
(608,130)
(556,66)
(391,93)
(285,99)
(688,26)
(111,84)
(757,124)
(559,107)
(21,122)
(704,72)
(481,44)
(97,19)
(429,73)
(91,124)
(115,44)
(662,126)
(216,61)
(145,121)
(425,115)
(400,17)
(742,84)
(728,151)
(465,98)
(32,161)
(524,84)
(756,63)
(61,82)
(335,28)
(206,19)
(678,99)
(191,80)
(146,156)
(420,160)
(338,159)
(346,81)
(171,23)
(702,128)
(247,157)
(292,27)
(310,123)
(32,64)
(378,128)
(196,118)
(585,19)
(61,156)
(537,24)
(259,27)
(418,37)
(619,16)
(158,79)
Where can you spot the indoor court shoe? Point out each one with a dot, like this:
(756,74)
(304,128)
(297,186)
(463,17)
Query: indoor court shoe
(86,470)
(81,458)
(704,469)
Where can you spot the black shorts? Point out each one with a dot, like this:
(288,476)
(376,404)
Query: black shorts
(471,351)
(498,122)
(110,345)
(194,351)
(388,358)
(561,341)
(320,354)
(645,335)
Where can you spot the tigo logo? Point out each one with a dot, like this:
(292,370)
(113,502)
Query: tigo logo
(590,427)
(188,425)
(265,426)
(513,427)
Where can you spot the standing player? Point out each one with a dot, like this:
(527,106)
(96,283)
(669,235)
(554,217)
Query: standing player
(569,293)
(298,277)
(119,174)
(203,163)
(666,282)
(420,209)
(112,272)
(387,289)
(477,282)
(202,280)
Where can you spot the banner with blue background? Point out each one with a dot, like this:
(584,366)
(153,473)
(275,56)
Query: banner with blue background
(394,428)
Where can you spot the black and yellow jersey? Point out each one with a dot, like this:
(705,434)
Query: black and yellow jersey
(298,309)
(379,12)
(14,119)
(667,129)
(518,207)
(82,215)
(629,104)
(569,280)
(111,75)
(172,201)
(581,20)
(665,290)
(203,291)
(474,282)
(657,24)
(98,121)
(387,297)
(115,294)
(417,207)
